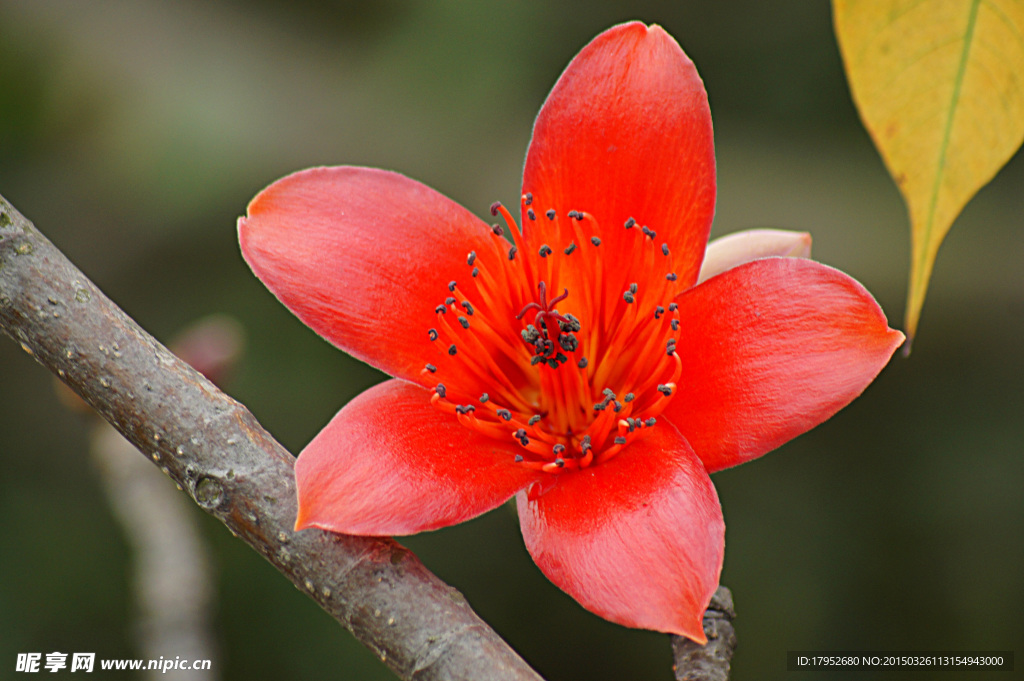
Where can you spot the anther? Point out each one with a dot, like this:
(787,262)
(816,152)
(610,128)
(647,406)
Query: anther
(671,276)
(533,419)
(512,253)
(570,249)
(594,240)
(451,285)
(468,307)
(497,229)
(664,390)
(519,458)
(558,449)
(675,324)
(432,334)
(629,397)
(505,414)
(441,309)
(628,297)
(582,364)
(431,368)
(484,398)
(528,198)
(545,251)
(452,349)
(494,207)
(650,422)
(650,233)
(620,440)
(465,324)
(632,288)
(475,272)
(672,307)
(664,249)
(441,391)
(530,214)
(471,258)
(464,408)
(551,214)
(630,223)
(572,214)
(450,300)
(658,311)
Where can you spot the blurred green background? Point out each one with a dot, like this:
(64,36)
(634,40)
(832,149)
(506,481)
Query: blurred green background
(133,133)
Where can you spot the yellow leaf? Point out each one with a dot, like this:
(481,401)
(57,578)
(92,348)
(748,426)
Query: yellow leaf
(940,86)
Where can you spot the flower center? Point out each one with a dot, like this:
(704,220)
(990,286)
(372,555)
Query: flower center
(572,378)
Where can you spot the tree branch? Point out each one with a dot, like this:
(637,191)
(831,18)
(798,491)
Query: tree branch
(708,662)
(216,450)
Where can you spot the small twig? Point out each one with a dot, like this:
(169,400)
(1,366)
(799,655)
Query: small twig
(708,662)
(170,564)
(215,450)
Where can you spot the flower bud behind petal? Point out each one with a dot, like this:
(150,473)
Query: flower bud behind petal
(737,248)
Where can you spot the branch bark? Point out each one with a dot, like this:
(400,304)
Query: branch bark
(708,662)
(212,447)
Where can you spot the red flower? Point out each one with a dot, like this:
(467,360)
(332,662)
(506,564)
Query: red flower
(578,367)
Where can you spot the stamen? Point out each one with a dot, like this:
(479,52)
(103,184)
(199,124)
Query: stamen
(619,347)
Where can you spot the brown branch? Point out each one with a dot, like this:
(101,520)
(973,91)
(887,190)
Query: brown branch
(708,662)
(215,450)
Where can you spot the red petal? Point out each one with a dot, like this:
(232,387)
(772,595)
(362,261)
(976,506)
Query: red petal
(638,540)
(390,463)
(363,256)
(626,132)
(771,349)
